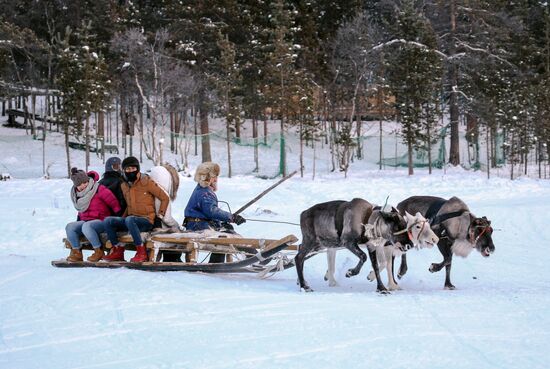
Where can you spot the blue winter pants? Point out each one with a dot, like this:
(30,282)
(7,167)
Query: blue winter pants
(90,229)
(134,225)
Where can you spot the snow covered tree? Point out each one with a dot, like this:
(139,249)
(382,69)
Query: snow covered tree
(158,79)
(414,75)
(83,82)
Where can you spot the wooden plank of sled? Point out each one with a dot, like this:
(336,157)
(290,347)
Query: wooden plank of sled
(190,247)
(288,240)
(252,242)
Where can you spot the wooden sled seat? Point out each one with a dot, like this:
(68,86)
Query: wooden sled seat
(209,241)
(187,243)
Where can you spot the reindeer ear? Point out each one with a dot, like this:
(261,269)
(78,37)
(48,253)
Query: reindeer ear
(407,216)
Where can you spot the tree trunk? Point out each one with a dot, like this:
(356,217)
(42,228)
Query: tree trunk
(140,117)
(87,140)
(282,159)
(380,148)
(301,150)
(454,151)
(265,130)
(228,138)
(205,132)
(172,129)
(67,152)
(255,137)
(410,156)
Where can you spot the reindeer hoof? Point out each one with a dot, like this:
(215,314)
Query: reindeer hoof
(333,284)
(306,289)
(394,287)
(433,268)
(383,291)
(350,273)
(450,287)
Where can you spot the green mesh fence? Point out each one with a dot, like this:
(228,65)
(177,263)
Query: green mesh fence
(420,156)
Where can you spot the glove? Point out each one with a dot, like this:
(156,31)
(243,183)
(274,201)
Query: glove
(238,220)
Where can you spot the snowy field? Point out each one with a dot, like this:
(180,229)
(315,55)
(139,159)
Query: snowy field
(498,317)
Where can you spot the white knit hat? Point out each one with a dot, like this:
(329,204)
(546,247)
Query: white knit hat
(205,172)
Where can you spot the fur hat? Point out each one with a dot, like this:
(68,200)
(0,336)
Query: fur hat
(78,176)
(130,161)
(112,162)
(205,172)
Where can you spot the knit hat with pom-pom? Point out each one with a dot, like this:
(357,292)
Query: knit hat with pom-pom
(78,176)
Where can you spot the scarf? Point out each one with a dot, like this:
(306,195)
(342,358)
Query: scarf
(81,200)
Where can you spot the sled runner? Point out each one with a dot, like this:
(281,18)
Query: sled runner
(242,255)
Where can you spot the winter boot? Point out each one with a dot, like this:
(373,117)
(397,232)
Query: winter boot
(117,254)
(75,256)
(96,256)
(141,255)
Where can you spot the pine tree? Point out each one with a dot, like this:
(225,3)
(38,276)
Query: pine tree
(414,77)
(83,82)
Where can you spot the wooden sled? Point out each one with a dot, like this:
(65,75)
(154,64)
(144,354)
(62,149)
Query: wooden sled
(242,255)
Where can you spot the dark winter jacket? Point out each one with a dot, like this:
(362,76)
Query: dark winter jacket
(140,198)
(203,205)
(113,181)
(102,205)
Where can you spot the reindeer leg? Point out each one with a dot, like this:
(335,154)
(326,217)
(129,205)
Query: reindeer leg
(379,285)
(331,262)
(444,248)
(392,284)
(381,258)
(403,267)
(360,254)
(448,284)
(299,261)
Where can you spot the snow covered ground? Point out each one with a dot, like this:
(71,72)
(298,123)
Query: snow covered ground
(94,318)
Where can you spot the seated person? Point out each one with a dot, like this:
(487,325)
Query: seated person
(140,193)
(202,211)
(113,180)
(94,202)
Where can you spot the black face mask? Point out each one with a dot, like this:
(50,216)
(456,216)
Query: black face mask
(131,176)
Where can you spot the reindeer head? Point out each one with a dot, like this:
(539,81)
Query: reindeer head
(393,223)
(419,231)
(480,234)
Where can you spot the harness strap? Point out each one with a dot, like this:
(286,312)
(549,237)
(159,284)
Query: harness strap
(443,217)
(434,209)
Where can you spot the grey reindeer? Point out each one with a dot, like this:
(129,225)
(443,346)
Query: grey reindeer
(459,230)
(339,223)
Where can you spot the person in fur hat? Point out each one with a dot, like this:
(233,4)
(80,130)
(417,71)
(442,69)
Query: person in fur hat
(140,193)
(202,211)
(94,202)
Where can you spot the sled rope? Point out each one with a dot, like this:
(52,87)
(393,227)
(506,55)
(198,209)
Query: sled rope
(271,221)
(279,266)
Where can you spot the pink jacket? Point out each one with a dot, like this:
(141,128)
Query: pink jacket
(103,204)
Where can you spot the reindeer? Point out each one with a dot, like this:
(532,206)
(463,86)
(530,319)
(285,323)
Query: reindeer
(335,224)
(416,234)
(459,231)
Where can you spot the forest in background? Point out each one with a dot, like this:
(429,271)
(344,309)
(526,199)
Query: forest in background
(319,68)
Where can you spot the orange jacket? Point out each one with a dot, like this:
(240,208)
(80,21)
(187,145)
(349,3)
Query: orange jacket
(140,198)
